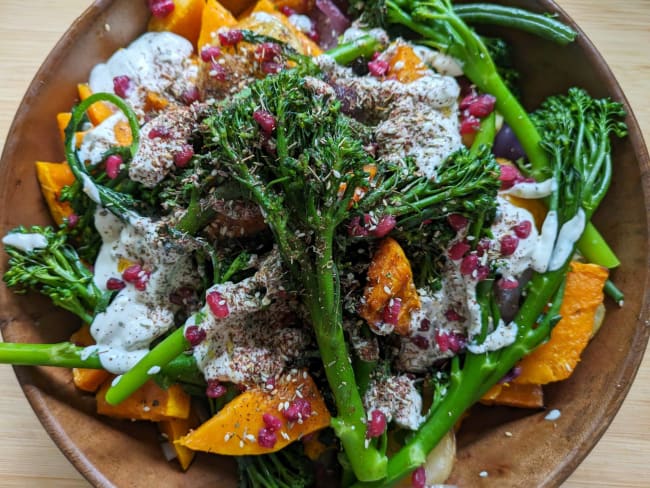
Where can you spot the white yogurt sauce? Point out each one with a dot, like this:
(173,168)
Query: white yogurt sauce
(502,336)
(90,189)
(533,189)
(566,240)
(25,242)
(99,139)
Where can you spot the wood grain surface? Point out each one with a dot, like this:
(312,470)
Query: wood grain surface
(620,30)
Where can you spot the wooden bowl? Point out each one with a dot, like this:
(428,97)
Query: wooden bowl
(539,452)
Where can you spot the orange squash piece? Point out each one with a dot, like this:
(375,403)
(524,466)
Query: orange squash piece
(62,121)
(87,379)
(184,20)
(149,402)
(52,177)
(515,395)
(122,131)
(406,65)
(280,29)
(174,429)
(389,277)
(97,112)
(234,430)
(556,360)
(214,17)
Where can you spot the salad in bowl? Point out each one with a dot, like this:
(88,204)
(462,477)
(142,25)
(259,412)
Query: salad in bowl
(311,240)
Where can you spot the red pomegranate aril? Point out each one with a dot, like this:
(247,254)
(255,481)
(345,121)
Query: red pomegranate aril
(458,250)
(159,133)
(114,284)
(424,325)
(467,101)
(218,305)
(272,423)
(356,229)
(523,229)
(266,438)
(470,125)
(482,273)
(215,389)
(483,246)
(469,264)
(268,51)
(457,222)
(113,164)
(442,340)
(509,176)
(271,67)
(231,37)
(482,106)
(194,335)
(141,283)
(72,220)
(420,342)
(191,95)
(132,273)
(209,53)
(122,86)
(182,157)
(378,67)
(313,34)
(453,316)
(288,11)
(455,342)
(161,8)
(391,311)
(299,409)
(376,424)
(265,120)
(507,283)
(508,245)
(384,226)
(419,478)
(218,72)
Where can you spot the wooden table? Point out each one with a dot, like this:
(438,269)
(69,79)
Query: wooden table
(621,30)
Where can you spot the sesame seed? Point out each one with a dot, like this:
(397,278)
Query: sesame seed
(250,437)
(387,289)
(284,435)
(241,444)
(146,408)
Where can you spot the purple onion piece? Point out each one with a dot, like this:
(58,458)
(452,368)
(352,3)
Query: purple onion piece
(506,145)
(330,22)
(508,299)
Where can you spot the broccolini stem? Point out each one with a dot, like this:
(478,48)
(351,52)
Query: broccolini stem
(364,47)
(157,358)
(614,293)
(350,421)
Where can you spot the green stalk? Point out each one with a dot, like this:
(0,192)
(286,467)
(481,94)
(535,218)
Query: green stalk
(157,358)
(350,421)
(63,354)
(364,47)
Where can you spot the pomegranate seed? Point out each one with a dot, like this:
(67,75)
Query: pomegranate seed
(378,67)
(419,478)
(266,438)
(455,342)
(509,176)
(523,228)
(375,55)
(313,34)
(356,229)
(470,125)
(420,342)
(482,272)
(265,120)
(161,8)
(182,157)
(159,133)
(288,11)
(467,101)
(217,304)
(442,340)
(114,284)
(141,283)
(112,164)
(457,222)
(132,273)
(122,86)
(209,53)
(507,283)
(508,245)
(453,316)
(218,72)
(391,311)
(268,51)
(469,264)
(483,246)
(466,87)
(458,250)
(270,384)
(215,389)
(194,335)
(299,409)
(231,37)
(479,106)
(376,424)
(271,68)
(384,226)
(424,325)
(190,95)
(272,423)
(72,220)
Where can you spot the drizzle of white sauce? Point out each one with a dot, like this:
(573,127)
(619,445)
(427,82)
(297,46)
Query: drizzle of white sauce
(544,250)
(530,190)
(502,336)
(553,415)
(568,236)
(99,139)
(25,242)
(90,189)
